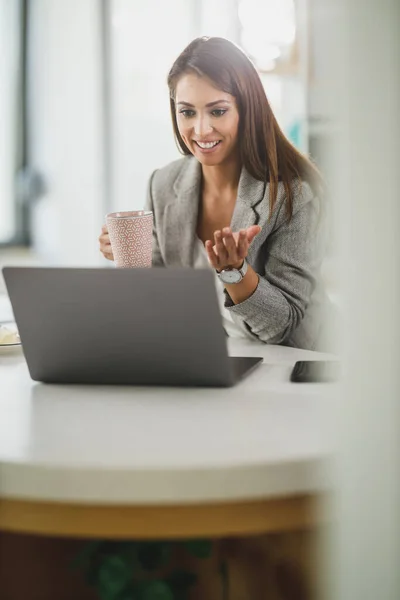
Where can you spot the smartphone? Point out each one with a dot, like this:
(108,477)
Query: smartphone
(315,371)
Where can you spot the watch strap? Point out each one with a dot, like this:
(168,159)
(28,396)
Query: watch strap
(243,268)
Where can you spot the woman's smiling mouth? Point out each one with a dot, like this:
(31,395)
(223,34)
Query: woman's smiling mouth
(207,146)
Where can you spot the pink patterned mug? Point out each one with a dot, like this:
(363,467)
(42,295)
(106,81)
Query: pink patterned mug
(131,236)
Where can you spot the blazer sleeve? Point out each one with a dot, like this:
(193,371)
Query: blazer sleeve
(157,259)
(292,262)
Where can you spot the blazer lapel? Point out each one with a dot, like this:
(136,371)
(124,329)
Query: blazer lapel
(250,193)
(180,219)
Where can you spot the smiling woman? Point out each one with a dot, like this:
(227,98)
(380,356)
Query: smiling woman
(243,201)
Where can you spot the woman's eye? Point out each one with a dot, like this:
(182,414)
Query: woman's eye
(187,113)
(218,112)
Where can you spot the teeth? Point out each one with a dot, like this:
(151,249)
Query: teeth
(207,144)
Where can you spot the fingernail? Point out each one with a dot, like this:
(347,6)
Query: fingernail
(227,230)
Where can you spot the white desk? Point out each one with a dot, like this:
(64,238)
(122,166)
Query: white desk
(265,437)
(69,451)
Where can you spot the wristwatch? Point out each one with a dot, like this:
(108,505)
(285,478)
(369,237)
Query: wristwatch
(231,275)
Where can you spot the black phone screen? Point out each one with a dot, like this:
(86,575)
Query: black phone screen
(314,371)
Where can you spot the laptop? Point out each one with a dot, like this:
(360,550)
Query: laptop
(159,326)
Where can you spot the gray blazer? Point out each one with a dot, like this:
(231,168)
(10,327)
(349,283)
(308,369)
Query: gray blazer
(286,306)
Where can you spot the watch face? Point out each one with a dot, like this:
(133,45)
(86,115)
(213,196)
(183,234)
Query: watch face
(231,276)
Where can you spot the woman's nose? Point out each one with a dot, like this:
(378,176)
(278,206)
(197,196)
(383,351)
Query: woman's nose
(202,126)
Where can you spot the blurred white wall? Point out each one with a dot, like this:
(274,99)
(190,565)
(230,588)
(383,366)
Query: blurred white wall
(9,51)
(218,19)
(66,128)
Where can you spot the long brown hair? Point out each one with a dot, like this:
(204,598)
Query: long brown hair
(264,150)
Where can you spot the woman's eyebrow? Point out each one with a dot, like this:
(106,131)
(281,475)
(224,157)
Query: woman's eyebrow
(182,102)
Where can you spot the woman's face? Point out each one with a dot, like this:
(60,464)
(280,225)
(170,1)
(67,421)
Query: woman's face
(208,119)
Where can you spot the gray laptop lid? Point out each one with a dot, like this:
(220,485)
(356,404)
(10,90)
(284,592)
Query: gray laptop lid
(141,326)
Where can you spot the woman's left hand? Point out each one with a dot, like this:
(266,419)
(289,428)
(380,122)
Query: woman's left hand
(230,249)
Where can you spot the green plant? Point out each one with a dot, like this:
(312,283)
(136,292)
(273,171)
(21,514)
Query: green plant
(131,570)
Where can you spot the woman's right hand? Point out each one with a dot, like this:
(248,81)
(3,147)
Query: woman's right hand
(105,244)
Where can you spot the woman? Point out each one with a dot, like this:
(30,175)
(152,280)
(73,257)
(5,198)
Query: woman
(243,200)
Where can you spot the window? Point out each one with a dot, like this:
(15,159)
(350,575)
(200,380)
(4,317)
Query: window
(12,122)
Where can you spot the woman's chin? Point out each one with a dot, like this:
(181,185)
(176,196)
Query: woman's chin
(209,159)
